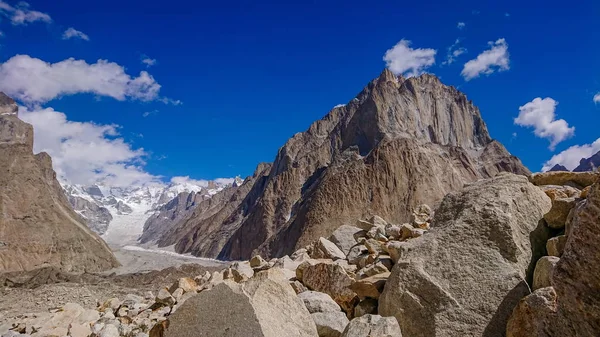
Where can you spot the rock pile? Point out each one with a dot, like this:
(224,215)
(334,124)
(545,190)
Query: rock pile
(566,284)
(321,290)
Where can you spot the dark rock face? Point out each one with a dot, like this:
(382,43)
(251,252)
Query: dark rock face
(38,228)
(207,229)
(169,213)
(97,217)
(558,167)
(590,164)
(399,143)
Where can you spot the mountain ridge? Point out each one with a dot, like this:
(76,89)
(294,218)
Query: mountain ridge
(390,119)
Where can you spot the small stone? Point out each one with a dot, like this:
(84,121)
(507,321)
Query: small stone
(557,217)
(318,302)
(327,249)
(345,237)
(364,225)
(184,283)
(148,295)
(370,287)
(164,297)
(298,286)
(585,192)
(376,220)
(556,246)
(178,293)
(374,246)
(544,268)
(257,262)
(241,271)
(330,324)
(356,253)
(79,330)
(109,331)
(393,231)
(372,269)
(366,307)
(373,326)
(395,249)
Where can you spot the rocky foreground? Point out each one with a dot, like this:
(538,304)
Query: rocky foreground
(505,256)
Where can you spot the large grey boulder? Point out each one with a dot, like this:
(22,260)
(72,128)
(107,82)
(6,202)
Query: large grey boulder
(264,306)
(466,275)
(345,237)
(318,302)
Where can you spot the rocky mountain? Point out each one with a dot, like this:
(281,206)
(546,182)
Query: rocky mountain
(38,227)
(589,164)
(215,219)
(119,213)
(399,143)
(558,167)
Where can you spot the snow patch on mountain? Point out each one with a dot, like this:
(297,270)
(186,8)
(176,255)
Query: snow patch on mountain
(128,207)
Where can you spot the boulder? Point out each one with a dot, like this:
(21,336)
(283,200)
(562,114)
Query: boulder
(330,324)
(366,306)
(421,216)
(395,249)
(373,326)
(185,283)
(579,180)
(328,250)
(575,310)
(345,237)
(372,269)
(371,286)
(318,302)
(257,262)
(164,297)
(467,274)
(332,279)
(528,319)
(241,271)
(542,276)
(556,245)
(356,253)
(557,216)
(265,305)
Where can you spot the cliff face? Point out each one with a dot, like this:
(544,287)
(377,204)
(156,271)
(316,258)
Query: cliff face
(399,143)
(37,225)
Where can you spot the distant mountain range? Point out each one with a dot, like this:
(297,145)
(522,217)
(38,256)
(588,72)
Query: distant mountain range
(118,214)
(585,164)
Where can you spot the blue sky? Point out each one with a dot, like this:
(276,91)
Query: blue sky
(251,74)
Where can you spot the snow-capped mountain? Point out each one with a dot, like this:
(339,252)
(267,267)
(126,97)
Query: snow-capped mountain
(119,214)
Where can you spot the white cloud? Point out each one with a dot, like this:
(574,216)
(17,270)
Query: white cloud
(148,113)
(570,157)
(148,61)
(201,182)
(85,152)
(494,59)
(33,81)
(454,51)
(21,14)
(402,59)
(167,100)
(540,114)
(597,98)
(73,33)
(461,25)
